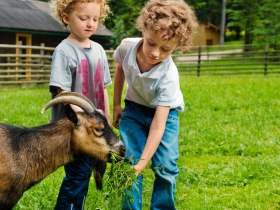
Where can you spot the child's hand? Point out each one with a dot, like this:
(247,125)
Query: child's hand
(117,115)
(139,167)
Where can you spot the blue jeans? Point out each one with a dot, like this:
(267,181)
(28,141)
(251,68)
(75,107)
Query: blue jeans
(134,129)
(74,187)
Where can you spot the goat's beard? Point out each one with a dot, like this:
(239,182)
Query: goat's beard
(99,168)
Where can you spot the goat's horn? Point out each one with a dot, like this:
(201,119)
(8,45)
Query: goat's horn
(68,93)
(87,107)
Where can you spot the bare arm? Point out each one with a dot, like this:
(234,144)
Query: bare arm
(155,134)
(107,107)
(118,88)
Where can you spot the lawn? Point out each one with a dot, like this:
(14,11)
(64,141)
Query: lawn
(229,145)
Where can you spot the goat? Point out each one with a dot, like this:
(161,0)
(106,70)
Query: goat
(27,155)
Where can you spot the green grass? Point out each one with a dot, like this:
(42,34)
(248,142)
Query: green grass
(229,145)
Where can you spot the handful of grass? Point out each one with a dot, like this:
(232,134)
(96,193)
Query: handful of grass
(117,179)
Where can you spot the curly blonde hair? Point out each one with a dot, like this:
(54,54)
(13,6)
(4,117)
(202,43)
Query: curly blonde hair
(67,6)
(174,16)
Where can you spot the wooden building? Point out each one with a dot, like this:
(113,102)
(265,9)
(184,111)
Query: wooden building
(30,22)
(207,34)
(28,36)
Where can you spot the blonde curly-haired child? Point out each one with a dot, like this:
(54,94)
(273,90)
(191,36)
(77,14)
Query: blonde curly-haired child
(80,65)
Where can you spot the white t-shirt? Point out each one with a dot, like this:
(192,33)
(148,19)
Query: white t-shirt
(159,86)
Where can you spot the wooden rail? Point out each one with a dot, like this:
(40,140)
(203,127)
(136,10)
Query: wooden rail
(18,67)
(229,60)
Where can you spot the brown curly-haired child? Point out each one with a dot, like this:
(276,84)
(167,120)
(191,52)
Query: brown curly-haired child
(149,122)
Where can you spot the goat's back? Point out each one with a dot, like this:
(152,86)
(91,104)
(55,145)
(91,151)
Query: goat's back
(9,174)
(27,156)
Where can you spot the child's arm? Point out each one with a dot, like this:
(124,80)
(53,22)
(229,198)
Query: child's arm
(118,88)
(155,134)
(107,107)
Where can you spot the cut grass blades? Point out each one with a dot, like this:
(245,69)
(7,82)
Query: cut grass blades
(119,178)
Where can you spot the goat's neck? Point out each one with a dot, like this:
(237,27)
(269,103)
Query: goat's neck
(51,149)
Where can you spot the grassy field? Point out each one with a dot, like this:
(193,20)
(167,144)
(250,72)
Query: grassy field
(229,145)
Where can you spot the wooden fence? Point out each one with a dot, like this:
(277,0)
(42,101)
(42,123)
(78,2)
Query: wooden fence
(18,66)
(229,60)
(31,64)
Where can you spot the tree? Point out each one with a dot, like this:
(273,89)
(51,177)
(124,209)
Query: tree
(122,20)
(259,19)
(267,28)
(243,14)
(207,11)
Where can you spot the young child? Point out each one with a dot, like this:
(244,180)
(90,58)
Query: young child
(149,124)
(79,65)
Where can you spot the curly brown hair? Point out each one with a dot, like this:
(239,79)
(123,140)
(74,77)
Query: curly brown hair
(67,6)
(174,16)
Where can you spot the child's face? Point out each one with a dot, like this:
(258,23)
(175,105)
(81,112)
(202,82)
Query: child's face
(83,21)
(155,49)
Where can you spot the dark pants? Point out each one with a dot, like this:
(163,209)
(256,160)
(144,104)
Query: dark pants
(74,187)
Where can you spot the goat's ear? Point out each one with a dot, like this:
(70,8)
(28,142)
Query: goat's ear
(71,114)
(99,168)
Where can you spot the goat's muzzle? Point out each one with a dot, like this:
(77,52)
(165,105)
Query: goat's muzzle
(118,152)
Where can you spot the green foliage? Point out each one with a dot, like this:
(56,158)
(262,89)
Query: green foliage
(207,11)
(119,31)
(229,145)
(259,20)
(122,20)
(119,177)
(267,28)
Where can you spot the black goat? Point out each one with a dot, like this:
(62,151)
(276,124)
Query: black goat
(27,155)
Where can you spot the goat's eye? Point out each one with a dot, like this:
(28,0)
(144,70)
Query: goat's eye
(99,131)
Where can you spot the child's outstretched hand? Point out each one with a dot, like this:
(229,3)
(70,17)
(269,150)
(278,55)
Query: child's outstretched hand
(117,115)
(140,167)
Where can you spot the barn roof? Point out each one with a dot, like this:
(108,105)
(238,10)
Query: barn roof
(31,15)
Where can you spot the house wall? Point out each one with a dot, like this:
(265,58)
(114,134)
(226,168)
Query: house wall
(206,35)
(211,34)
(49,40)
(37,39)
(9,38)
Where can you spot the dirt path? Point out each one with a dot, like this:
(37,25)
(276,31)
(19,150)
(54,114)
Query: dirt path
(193,57)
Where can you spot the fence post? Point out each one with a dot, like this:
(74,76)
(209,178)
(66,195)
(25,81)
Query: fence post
(207,48)
(18,58)
(198,61)
(266,58)
(42,53)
